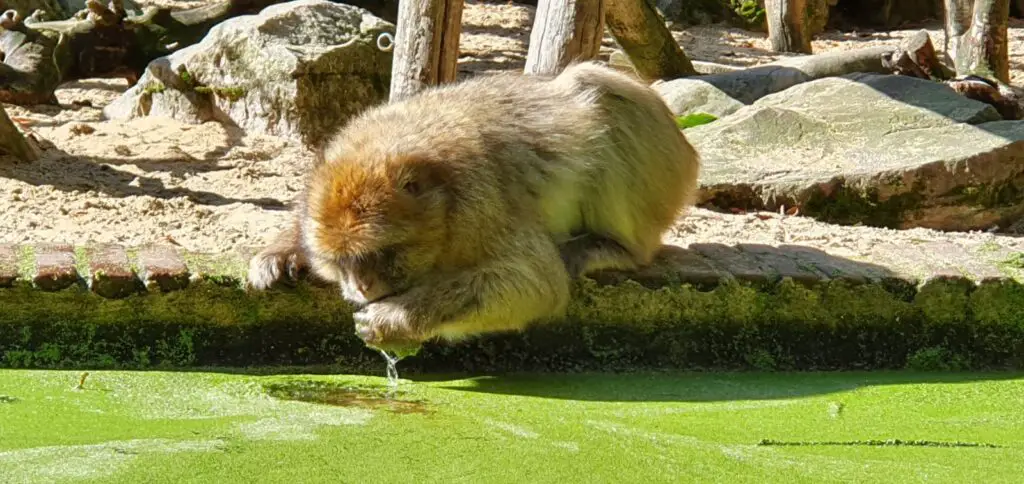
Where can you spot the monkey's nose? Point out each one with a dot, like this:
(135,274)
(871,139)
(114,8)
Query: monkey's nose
(372,288)
(365,286)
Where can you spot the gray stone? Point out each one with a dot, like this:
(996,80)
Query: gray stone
(687,96)
(874,149)
(296,69)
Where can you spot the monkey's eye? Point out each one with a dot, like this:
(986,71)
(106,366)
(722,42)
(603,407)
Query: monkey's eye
(411,187)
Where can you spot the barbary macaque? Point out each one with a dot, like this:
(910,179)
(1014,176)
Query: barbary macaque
(469,207)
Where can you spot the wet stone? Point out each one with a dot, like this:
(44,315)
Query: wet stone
(739,265)
(690,267)
(8,265)
(838,268)
(55,267)
(784,266)
(161,267)
(111,274)
(912,259)
(972,266)
(671,264)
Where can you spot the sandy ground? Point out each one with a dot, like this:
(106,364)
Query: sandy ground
(211,188)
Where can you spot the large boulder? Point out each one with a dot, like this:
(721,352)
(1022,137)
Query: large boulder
(297,69)
(694,95)
(880,150)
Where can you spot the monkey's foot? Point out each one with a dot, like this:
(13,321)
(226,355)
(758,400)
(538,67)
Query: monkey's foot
(270,267)
(386,325)
(591,252)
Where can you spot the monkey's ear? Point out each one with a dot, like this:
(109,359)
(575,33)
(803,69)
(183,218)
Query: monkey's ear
(421,175)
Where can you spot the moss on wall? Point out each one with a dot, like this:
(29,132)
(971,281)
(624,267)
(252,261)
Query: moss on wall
(788,326)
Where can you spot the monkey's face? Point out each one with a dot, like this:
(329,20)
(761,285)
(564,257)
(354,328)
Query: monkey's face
(376,226)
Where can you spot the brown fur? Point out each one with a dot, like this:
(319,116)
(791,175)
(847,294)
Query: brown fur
(469,207)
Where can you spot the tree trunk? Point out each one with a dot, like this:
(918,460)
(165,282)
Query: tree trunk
(13,142)
(643,36)
(958,20)
(788,29)
(982,49)
(564,31)
(426,45)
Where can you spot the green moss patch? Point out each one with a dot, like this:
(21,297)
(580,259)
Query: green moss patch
(231,93)
(694,119)
(847,205)
(786,326)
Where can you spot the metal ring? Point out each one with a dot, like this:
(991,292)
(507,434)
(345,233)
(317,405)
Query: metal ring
(390,42)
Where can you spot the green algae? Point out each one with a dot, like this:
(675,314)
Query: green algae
(710,427)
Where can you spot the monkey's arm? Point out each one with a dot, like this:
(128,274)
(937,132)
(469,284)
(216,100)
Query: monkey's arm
(527,283)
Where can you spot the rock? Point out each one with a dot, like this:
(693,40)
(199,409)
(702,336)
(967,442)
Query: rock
(688,96)
(297,69)
(879,150)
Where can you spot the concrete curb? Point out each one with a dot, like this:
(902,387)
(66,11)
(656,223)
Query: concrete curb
(705,306)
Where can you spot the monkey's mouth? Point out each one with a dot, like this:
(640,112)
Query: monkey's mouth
(359,300)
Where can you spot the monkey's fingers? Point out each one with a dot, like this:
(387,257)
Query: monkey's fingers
(296,266)
(365,328)
(267,269)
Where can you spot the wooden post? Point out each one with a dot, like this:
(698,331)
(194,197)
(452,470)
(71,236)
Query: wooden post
(645,39)
(426,45)
(564,31)
(981,48)
(958,20)
(787,25)
(13,142)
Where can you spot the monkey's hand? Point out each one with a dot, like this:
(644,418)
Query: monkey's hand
(269,267)
(527,283)
(281,261)
(387,325)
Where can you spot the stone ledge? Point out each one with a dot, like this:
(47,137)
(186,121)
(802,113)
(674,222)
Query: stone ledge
(702,306)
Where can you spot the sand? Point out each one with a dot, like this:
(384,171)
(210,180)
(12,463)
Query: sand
(212,188)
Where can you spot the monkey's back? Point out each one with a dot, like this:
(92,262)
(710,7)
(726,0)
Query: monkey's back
(586,150)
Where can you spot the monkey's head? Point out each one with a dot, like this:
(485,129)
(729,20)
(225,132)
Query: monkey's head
(376,223)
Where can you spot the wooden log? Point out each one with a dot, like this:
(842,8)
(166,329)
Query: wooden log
(643,36)
(749,85)
(620,60)
(1001,97)
(900,62)
(916,57)
(426,45)
(564,31)
(921,50)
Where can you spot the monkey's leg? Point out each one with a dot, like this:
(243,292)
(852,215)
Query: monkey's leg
(527,284)
(282,260)
(590,252)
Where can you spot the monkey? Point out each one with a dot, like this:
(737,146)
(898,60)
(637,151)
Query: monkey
(470,207)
